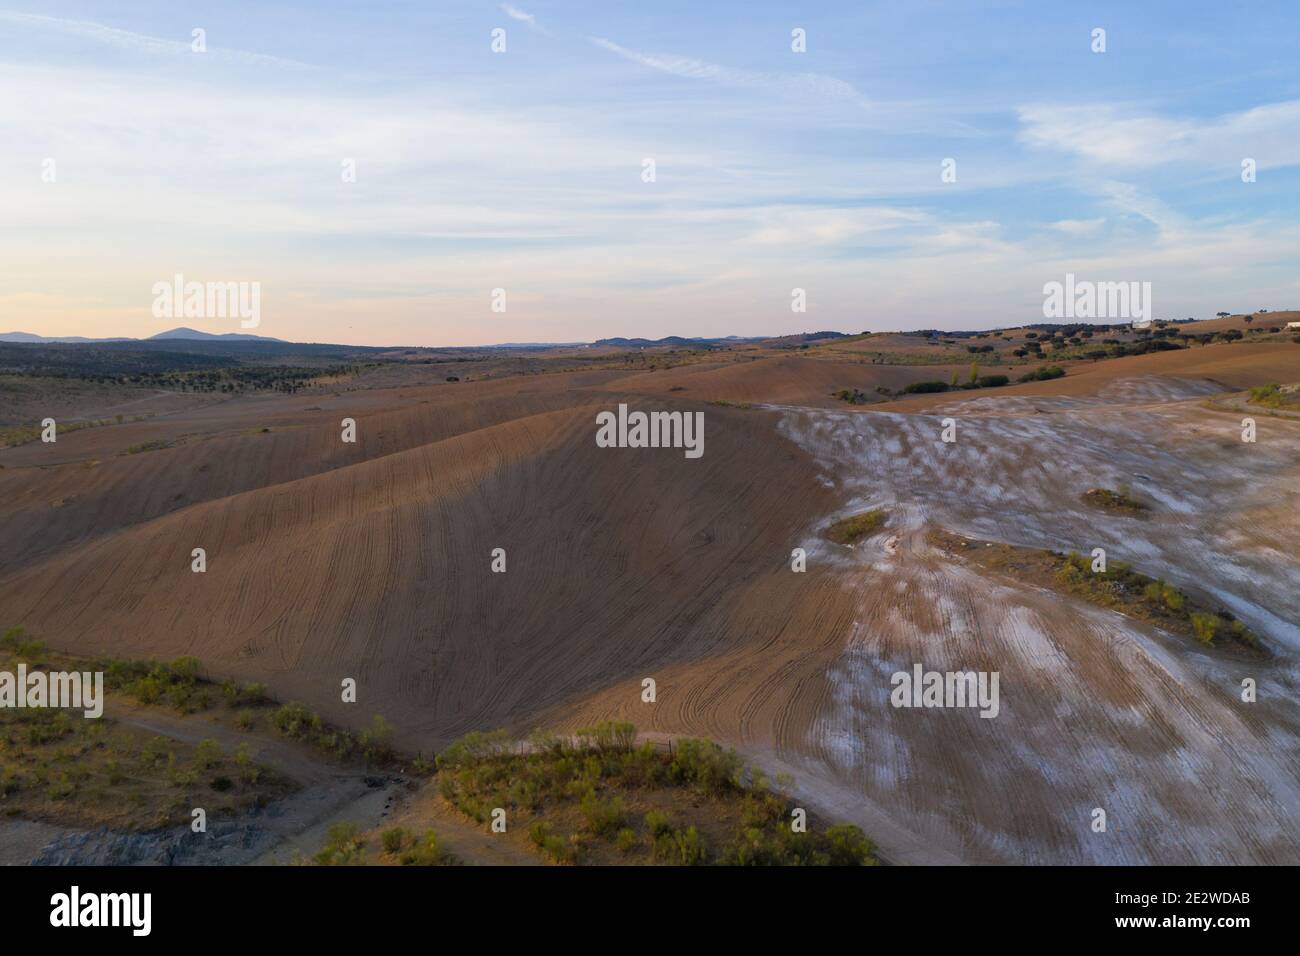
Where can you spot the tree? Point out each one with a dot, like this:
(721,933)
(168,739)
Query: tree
(1222,315)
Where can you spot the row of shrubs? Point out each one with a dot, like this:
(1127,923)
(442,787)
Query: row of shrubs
(296,721)
(180,684)
(1120,586)
(601,769)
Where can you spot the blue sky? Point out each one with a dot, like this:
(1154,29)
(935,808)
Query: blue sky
(522,170)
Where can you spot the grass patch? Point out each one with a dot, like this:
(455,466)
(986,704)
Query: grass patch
(854,528)
(1110,500)
(1276,396)
(60,767)
(22,434)
(602,798)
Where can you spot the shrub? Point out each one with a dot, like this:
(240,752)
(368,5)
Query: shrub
(1173,598)
(538,833)
(923,387)
(295,720)
(426,852)
(1114,500)
(658,823)
(851,529)
(555,847)
(376,740)
(473,748)
(185,670)
(1204,626)
(626,840)
(246,696)
(706,765)
(690,849)
(27,650)
(207,754)
(1043,374)
(992,381)
(392,839)
(603,816)
(344,847)
(846,845)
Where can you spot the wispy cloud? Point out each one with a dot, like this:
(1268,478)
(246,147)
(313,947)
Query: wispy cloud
(689,68)
(139,42)
(514,13)
(1109,135)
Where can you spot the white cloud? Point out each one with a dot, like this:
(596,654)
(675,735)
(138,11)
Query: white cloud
(1107,135)
(514,13)
(1078,227)
(817,84)
(139,42)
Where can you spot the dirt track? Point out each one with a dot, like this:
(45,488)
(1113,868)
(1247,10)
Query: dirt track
(372,561)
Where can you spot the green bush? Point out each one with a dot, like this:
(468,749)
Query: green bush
(1043,374)
(392,839)
(1204,626)
(603,816)
(917,388)
(25,649)
(295,720)
(474,747)
(426,851)
(849,530)
(658,823)
(344,848)
(846,845)
(207,754)
(707,766)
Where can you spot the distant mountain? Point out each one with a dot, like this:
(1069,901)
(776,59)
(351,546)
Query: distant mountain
(184,334)
(191,334)
(29,337)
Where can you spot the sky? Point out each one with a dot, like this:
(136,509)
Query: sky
(126,158)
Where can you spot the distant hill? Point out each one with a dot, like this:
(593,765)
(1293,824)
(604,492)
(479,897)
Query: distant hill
(191,334)
(29,337)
